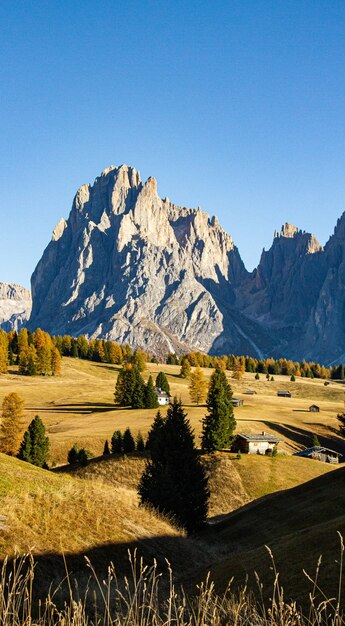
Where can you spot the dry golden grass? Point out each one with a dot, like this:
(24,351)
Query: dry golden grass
(232,482)
(48,512)
(78,406)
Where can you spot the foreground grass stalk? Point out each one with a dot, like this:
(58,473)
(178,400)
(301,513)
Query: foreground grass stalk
(144,598)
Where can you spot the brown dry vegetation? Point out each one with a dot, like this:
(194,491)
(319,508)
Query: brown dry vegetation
(232,482)
(79,407)
(96,511)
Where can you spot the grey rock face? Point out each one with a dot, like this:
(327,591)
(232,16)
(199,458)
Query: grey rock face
(15,306)
(129,266)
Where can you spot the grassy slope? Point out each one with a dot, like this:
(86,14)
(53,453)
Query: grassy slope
(78,406)
(298,525)
(52,513)
(233,482)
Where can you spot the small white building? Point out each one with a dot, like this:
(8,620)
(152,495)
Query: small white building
(163,397)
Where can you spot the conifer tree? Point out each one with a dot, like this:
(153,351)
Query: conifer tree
(197,386)
(150,400)
(185,368)
(138,390)
(130,388)
(106,449)
(35,445)
(219,423)
(117,442)
(25,448)
(174,480)
(140,442)
(11,424)
(162,382)
(128,441)
(155,434)
(73,455)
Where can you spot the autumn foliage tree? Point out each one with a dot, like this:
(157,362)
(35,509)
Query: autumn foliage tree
(11,424)
(3,352)
(197,386)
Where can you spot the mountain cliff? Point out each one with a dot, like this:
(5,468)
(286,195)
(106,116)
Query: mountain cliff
(15,306)
(132,267)
(129,266)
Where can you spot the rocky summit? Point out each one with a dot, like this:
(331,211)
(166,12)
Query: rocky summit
(131,267)
(15,306)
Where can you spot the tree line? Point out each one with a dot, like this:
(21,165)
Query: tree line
(39,353)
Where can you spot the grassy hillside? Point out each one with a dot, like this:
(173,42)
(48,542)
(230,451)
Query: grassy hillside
(52,514)
(78,406)
(298,525)
(233,482)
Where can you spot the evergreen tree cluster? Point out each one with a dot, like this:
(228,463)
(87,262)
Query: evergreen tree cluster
(34,448)
(79,456)
(124,443)
(131,390)
(174,481)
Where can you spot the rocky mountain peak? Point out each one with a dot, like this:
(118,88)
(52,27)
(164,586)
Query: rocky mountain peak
(129,266)
(288,230)
(15,306)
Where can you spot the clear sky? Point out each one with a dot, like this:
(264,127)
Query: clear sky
(234,106)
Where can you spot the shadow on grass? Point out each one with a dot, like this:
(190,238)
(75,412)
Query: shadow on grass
(81,408)
(303,438)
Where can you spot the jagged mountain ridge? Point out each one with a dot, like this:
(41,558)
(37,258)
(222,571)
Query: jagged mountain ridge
(15,306)
(129,266)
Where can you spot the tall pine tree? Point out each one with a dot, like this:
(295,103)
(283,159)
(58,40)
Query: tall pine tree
(151,400)
(219,423)
(128,441)
(174,480)
(162,382)
(117,442)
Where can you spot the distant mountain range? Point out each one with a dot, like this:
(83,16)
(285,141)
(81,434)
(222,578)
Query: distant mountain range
(15,306)
(132,267)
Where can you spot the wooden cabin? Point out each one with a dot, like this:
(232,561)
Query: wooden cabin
(284,394)
(255,443)
(237,402)
(314,408)
(319,453)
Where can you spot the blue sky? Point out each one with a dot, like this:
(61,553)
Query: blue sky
(234,106)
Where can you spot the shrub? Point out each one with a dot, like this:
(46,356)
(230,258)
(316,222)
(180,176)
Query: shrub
(72,456)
